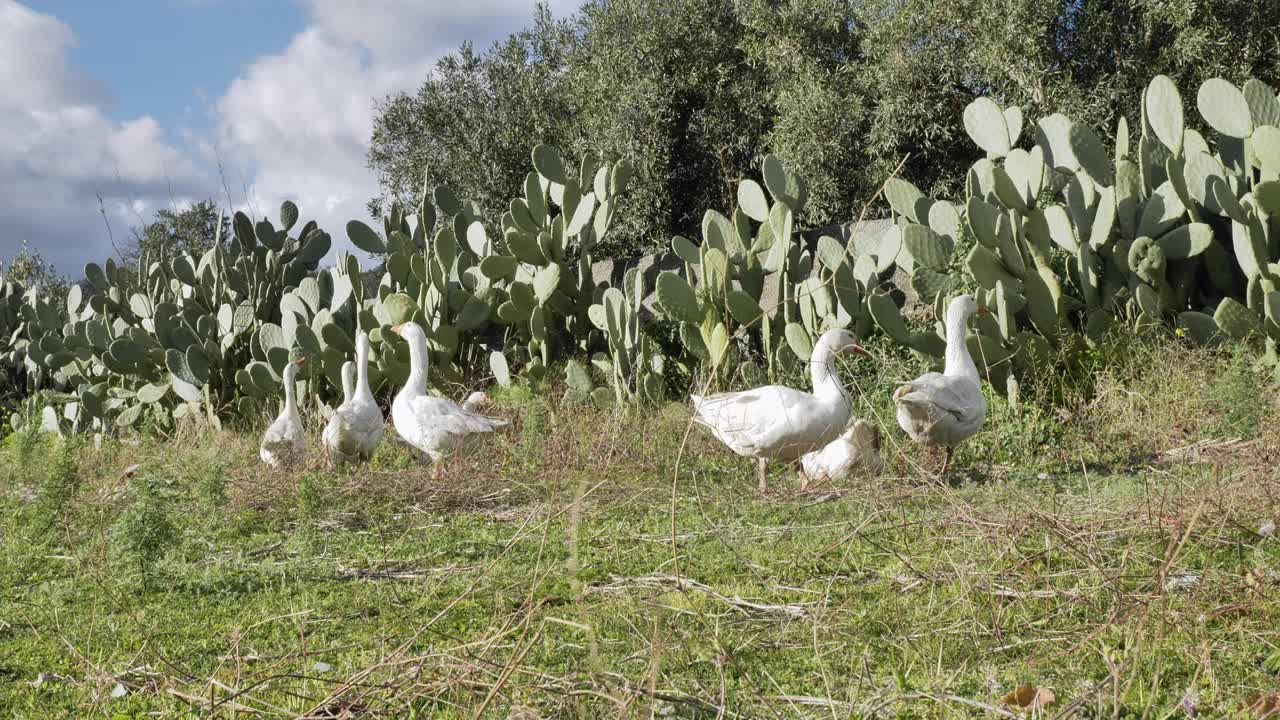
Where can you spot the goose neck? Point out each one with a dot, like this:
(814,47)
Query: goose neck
(958,361)
(418,361)
(362,370)
(826,383)
(291,393)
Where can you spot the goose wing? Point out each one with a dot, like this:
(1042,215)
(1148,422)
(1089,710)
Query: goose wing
(438,415)
(948,395)
(768,420)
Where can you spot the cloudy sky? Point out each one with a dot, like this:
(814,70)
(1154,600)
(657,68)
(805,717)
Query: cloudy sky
(123,108)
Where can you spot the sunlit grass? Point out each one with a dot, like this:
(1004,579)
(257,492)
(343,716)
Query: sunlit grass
(568,570)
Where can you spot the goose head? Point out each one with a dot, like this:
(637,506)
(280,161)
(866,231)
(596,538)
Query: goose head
(962,308)
(362,342)
(291,370)
(476,401)
(864,435)
(840,341)
(410,331)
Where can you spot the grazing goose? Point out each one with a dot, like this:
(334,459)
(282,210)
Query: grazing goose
(435,425)
(856,450)
(945,409)
(778,422)
(285,439)
(356,426)
(476,402)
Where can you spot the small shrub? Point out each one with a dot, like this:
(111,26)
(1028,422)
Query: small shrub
(312,492)
(211,486)
(58,486)
(1234,396)
(144,533)
(27,439)
(393,456)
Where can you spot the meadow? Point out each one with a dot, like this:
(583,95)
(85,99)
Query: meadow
(1106,549)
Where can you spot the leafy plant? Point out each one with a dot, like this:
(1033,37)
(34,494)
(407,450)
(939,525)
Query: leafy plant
(58,486)
(211,485)
(144,533)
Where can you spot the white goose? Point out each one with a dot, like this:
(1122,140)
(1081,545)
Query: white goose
(946,409)
(778,422)
(285,439)
(356,427)
(476,401)
(330,437)
(856,450)
(435,425)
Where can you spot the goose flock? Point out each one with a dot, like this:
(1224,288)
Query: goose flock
(814,431)
(435,426)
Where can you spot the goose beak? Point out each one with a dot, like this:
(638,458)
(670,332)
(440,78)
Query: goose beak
(398,329)
(856,348)
(300,362)
(982,310)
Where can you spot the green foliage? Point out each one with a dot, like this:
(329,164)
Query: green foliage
(1234,397)
(696,91)
(925,61)
(192,231)
(313,490)
(174,335)
(690,92)
(469,126)
(211,485)
(1175,231)
(57,487)
(144,533)
(27,437)
(29,269)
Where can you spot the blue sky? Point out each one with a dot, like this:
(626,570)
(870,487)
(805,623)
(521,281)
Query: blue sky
(171,59)
(113,110)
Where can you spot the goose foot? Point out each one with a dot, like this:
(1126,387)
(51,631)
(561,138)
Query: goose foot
(946,463)
(762,472)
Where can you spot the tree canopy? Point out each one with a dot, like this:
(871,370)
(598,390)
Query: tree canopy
(695,92)
(192,230)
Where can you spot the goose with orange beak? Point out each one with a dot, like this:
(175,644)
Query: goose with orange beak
(285,440)
(776,422)
(435,425)
(946,409)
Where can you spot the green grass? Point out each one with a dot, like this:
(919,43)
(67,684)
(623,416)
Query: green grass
(590,564)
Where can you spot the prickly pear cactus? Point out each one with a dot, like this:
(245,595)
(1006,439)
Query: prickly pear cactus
(721,301)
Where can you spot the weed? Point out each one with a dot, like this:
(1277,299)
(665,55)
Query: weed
(57,487)
(29,437)
(590,578)
(211,485)
(144,533)
(1234,395)
(313,489)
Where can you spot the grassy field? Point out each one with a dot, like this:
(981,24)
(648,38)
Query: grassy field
(1105,547)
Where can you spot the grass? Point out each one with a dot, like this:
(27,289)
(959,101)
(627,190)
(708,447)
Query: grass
(597,564)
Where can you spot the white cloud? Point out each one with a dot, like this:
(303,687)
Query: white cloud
(61,151)
(293,125)
(299,122)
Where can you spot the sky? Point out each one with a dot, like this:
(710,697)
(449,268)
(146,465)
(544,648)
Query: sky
(110,111)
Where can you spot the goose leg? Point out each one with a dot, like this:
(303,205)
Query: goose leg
(946,462)
(804,479)
(762,471)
